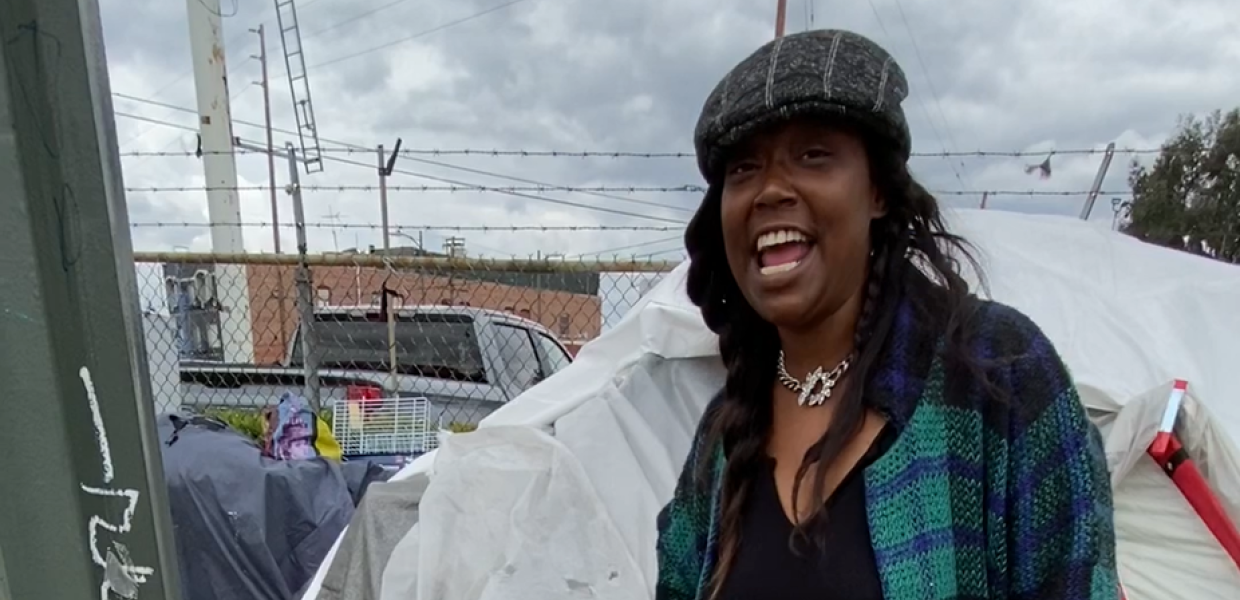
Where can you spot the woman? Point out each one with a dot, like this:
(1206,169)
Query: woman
(937,448)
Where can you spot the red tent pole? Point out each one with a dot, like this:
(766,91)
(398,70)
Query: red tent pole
(1169,453)
(1180,467)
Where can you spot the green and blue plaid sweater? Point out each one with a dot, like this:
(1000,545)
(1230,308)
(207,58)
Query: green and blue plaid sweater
(976,499)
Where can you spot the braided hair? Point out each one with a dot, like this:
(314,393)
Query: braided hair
(911,235)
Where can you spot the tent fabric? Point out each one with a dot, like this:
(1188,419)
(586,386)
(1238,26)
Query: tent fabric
(247,527)
(1128,318)
(386,513)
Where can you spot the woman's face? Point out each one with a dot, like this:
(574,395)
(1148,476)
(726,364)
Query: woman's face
(796,211)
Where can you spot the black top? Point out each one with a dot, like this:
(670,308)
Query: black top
(767,568)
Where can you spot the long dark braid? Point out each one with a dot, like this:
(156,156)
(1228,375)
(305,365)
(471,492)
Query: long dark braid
(912,230)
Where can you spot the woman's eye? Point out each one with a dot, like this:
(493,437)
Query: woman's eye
(740,169)
(815,153)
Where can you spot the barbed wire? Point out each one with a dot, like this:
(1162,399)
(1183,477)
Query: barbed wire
(398,228)
(509,189)
(650,155)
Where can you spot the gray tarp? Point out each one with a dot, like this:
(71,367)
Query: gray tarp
(247,527)
(385,516)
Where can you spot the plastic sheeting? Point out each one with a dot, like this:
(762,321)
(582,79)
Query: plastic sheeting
(247,527)
(1127,317)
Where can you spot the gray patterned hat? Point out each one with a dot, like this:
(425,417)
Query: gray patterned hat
(825,72)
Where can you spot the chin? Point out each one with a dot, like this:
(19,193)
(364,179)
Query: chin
(783,310)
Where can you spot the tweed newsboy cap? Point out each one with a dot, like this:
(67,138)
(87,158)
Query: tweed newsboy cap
(823,72)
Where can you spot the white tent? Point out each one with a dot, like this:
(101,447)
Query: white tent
(555,496)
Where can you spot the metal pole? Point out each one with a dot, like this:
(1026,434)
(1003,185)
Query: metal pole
(282,292)
(84,512)
(985,197)
(271,147)
(383,199)
(781,12)
(305,294)
(387,251)
(1093,190)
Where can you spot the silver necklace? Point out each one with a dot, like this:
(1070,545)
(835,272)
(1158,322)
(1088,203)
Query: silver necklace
(822,381)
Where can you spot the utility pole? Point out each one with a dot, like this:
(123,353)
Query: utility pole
(271,147)
(271,178)
(305,295)
(781,13)
(84,513)
(220,172)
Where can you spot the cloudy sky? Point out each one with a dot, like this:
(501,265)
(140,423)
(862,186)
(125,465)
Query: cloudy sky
(630,76)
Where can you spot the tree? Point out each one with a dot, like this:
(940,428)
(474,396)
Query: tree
(1190,198)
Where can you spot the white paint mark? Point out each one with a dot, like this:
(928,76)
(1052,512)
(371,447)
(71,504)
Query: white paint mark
(120,576)
(101,433)
(97,523)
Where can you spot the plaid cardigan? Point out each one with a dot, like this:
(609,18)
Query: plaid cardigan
(976,498)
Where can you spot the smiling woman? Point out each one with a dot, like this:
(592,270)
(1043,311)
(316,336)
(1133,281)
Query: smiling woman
(937,448)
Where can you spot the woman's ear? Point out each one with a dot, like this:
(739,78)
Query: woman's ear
(878,206)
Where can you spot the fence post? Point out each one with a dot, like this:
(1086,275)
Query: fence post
(83,499)
(305,293)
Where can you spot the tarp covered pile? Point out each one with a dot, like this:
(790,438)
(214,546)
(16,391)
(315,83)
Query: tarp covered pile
(555,496)
(250,527)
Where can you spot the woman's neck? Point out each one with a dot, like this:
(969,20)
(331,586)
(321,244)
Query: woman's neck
(823,344)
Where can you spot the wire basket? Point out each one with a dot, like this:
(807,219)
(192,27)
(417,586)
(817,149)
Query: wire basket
(383,427)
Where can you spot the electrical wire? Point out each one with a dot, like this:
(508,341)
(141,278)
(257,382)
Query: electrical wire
(415,36)
(618,249)
(340,24)
(934,129)
(934,94)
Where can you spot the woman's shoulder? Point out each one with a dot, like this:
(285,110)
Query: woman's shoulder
(1003,333)
(1020,360)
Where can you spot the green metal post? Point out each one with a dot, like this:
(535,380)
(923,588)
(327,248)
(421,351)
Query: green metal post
(83,502)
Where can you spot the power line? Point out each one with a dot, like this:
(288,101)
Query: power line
(920,102)
(415,36)
(627,247)
(934,94)
(351,20)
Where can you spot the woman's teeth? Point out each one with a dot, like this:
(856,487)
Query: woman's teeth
(776,269)
(775,238)
(780,251)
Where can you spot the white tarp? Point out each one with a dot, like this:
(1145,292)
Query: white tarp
(611,431)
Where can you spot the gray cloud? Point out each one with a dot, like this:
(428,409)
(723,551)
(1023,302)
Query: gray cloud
(575,75)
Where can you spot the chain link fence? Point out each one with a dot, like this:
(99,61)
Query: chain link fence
(234,333)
